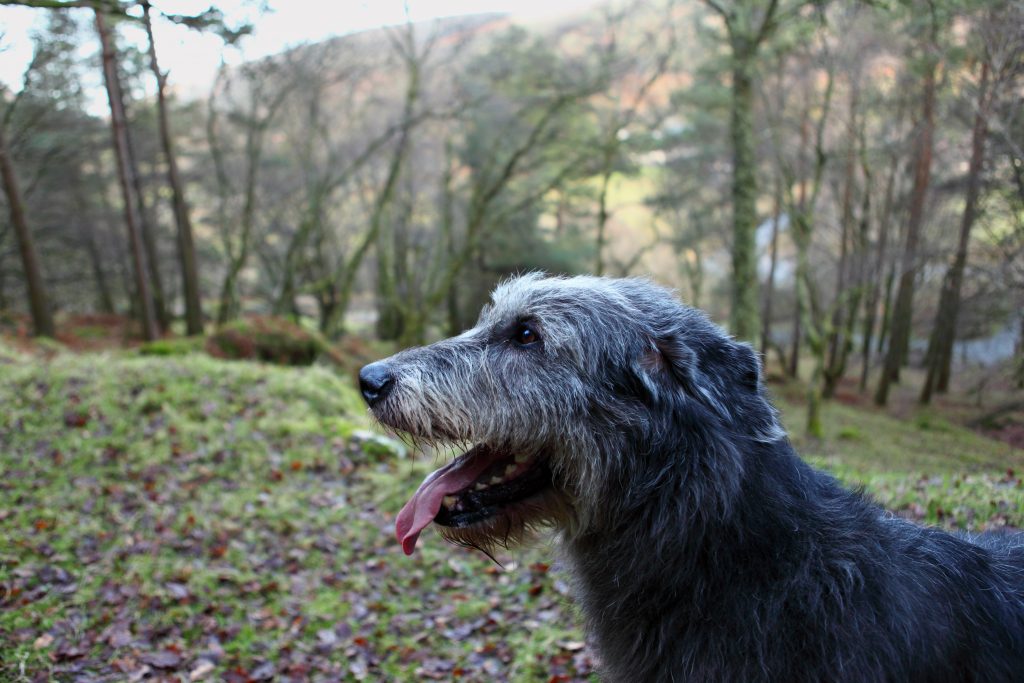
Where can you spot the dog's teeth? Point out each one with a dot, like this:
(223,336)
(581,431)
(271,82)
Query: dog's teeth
(510,470)
(496,480)
(448,501)
(480,486)
(521,458)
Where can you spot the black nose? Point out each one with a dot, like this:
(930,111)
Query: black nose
(375,381)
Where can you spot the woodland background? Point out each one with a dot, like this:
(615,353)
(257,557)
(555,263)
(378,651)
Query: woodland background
(839,183)
(835,180)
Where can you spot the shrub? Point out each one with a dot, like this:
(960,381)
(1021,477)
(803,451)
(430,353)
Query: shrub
(268,339)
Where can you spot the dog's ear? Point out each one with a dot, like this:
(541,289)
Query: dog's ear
(723,368)
(669,365)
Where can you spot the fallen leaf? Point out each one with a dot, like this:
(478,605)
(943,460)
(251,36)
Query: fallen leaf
(163,659)
(202,669)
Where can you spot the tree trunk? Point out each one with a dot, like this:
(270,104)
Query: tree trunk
(887,304)
(832,371)
(124,173)
(38,300)
(390,320)
(229,306)
(940,345)
(849,279)
(104,299)
(1020,351)
(875,287)
(793,368)
(186,243)
(744,319)
(148,231)
(608,156)
(902,315)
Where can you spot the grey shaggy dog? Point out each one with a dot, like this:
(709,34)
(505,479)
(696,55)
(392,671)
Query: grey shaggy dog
(702,547)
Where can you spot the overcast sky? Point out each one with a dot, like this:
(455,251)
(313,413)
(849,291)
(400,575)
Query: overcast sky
(192,58)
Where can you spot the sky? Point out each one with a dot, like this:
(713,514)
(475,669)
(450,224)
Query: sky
(192,58)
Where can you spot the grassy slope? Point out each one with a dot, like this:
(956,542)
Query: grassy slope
(227,519)
(186,512)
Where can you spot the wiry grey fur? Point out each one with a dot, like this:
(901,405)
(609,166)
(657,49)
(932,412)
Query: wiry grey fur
(703,548)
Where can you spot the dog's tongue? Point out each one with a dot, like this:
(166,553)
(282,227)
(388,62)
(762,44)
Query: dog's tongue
(426,502)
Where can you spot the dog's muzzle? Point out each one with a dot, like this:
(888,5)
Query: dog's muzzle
(375,381)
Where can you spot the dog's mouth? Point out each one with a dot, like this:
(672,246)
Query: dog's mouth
(478,485)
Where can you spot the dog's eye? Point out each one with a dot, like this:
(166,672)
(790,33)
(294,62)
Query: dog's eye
(525,335)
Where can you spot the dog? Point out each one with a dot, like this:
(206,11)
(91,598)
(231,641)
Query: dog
(702,547)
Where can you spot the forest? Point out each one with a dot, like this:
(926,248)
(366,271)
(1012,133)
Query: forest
(838,183)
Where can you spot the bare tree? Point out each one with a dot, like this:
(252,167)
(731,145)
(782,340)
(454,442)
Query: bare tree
(186,241)
(124,170)
(899,337)
(264,96)
(876,274)
(623,66)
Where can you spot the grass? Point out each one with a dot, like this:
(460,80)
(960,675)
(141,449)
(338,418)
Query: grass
(184,516)
(187,515)
(925,468)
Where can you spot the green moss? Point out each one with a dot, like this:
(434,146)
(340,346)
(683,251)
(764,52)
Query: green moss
(268,339)
(173,346)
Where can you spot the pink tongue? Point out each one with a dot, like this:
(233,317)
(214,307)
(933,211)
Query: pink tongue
(426,502)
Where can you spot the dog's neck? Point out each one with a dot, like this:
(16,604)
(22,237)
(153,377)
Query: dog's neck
(664,560)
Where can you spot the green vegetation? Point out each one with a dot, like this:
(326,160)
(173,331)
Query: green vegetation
(269,339)
(187,515)
(172,346)
(234,519)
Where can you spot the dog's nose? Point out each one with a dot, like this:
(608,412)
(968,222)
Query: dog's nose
(375,381)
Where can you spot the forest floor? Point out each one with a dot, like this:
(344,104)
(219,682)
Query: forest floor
(187,518)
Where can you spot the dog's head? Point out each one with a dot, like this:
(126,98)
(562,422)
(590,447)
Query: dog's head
(565,386)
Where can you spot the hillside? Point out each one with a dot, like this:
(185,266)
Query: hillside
(192,517)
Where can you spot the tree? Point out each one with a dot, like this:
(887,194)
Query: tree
(515,135)
(186,241)
(412,58)
(264,94)
(748,25)
(899,336)
(630,80)
(119,130)
(877,270)
(39,301)
(802,176)
(1002,46)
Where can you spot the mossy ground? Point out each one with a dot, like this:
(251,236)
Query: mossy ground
(168,517)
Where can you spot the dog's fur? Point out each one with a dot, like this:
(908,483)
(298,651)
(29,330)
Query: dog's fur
(703,548)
